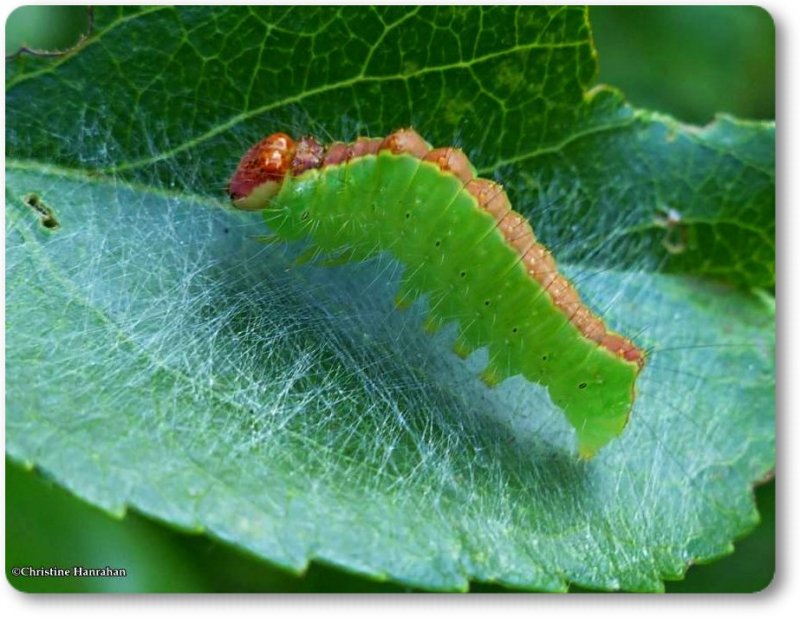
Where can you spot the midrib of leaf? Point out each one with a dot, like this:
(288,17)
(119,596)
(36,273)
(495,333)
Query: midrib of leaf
(91,176)
(360,78)
(357,80)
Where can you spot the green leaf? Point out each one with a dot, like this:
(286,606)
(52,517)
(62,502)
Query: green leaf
(159,358)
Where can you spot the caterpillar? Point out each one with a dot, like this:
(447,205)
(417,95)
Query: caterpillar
(463,246)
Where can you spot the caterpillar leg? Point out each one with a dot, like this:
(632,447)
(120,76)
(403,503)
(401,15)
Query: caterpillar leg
(462,347)
(495,372)
(308,254)
(432,324)
(329,260)
(351,254)
(268,239)
(438,313)
(491,377)
(406,295)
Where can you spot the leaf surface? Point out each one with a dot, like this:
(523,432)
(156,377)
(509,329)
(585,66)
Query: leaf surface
(159,357)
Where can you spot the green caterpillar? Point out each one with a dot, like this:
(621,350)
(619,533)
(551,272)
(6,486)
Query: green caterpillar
(463,246)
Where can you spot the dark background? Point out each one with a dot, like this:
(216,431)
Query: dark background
(690,62)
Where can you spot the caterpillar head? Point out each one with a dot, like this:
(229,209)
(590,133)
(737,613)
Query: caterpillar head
(260,172)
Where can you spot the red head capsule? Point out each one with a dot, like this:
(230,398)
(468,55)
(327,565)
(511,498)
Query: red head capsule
(261,171)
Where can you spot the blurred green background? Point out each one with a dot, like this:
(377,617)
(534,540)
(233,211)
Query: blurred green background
(664,58)
(689,61)
(45,27)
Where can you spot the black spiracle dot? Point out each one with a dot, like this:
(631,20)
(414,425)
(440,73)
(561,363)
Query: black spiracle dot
(438,243)
(514,330)
(408,215)
(487,302)
(544,358)
(582,385)
(463,273)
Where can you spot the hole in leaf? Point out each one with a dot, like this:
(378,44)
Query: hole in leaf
(45,213)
